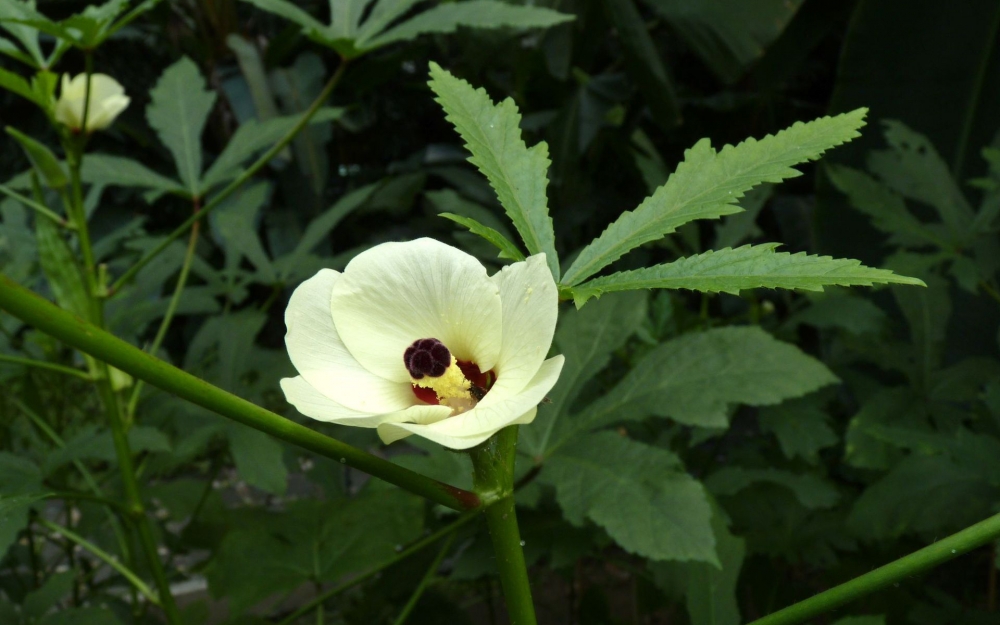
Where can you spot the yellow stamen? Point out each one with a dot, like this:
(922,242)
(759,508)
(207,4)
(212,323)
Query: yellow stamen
(453,385)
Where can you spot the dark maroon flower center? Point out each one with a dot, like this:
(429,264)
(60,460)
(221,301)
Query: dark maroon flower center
(426,357)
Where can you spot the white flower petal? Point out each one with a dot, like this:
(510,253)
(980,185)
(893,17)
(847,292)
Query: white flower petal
(396,293)
(473,427)
(322,359)
(314,404)
(530,302)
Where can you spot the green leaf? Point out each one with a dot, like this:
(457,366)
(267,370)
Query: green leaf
(92,443)
(90,615)
(313,541)
(42,159)
(447,17)
(16,84)
(105,169)
(518,174)
(259,459)
(913,168)
(694,379)
(812,491)
(291,13)
(861,620)
(707,184)
(643,62)
(252,138)
(729,35)
(587,339)
(60,266)
(710,592)
(179,107)
(929,495)
(55,588)
(643,499)
(800,426)
(856,315)
(747,267)
(507,249)
(739,227)
(887,209)
(236,224)
(18,475)
(14,516)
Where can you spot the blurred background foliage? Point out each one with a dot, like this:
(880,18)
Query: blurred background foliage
(805,494)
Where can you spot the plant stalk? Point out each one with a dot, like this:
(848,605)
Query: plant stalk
(927,558)
(88,338)
(493,477)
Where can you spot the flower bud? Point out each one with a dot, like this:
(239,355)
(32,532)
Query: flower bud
(107,101)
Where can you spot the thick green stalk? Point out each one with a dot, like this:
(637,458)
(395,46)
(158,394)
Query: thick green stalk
(372,572)
(218,198)
(929,557)
(88,338)
(493,476)
(111,561)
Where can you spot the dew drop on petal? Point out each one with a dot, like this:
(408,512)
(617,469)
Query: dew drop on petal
(522,543)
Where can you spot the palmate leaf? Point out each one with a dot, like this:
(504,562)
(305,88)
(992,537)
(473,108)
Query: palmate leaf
(178,112)
(707,185)
(644,499)
(517,173)
(748,267)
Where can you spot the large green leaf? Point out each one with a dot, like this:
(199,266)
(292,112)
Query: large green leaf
(447,17)
(748,267)
(16,84)
(800,426)
(639,494)
(728,35)
(106,169)
(694,379)
(586,338)
(313,541)
(179,107)
(14,516)
(811,490)
(92,443)
(518,174)
(707,185)
(42,159)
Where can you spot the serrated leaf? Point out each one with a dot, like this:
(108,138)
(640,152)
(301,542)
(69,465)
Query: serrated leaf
(447,17)
(642,498)
(812,491)
(235,223)
(518,174)
(290,12)
(586,338)
(856,315)
(42,159)
(707,184)
(106,169)
(694,379)
(738,227)
(800,426)
(60,266)
(748,267)
(253,137)
(507,249)
(179,107)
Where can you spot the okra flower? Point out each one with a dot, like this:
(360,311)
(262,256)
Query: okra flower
(107,101)
(416,338)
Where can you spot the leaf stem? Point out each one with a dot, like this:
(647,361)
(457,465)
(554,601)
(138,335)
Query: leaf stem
(109,559)
(100,344)
(493,476)
(425,581)
(402,555)
(41,364)
(235,184)
(38,207)
(951,547)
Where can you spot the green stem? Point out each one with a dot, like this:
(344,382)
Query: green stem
(88,338)
(109,559)
(168,317)
(41,364)
(38,207)
(402,555)
(88,64)
(137,511)
(235,184)
(424,582)
(493,476)
(953,546)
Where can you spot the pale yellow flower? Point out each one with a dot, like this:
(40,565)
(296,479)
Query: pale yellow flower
(107,101)
(416,338)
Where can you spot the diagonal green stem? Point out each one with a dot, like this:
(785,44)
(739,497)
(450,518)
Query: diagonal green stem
(943,550)
(424,582)
(90,339)
(111,561)
(41,364)
(38,207)
(402,555)
(493,476)
(235,184)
